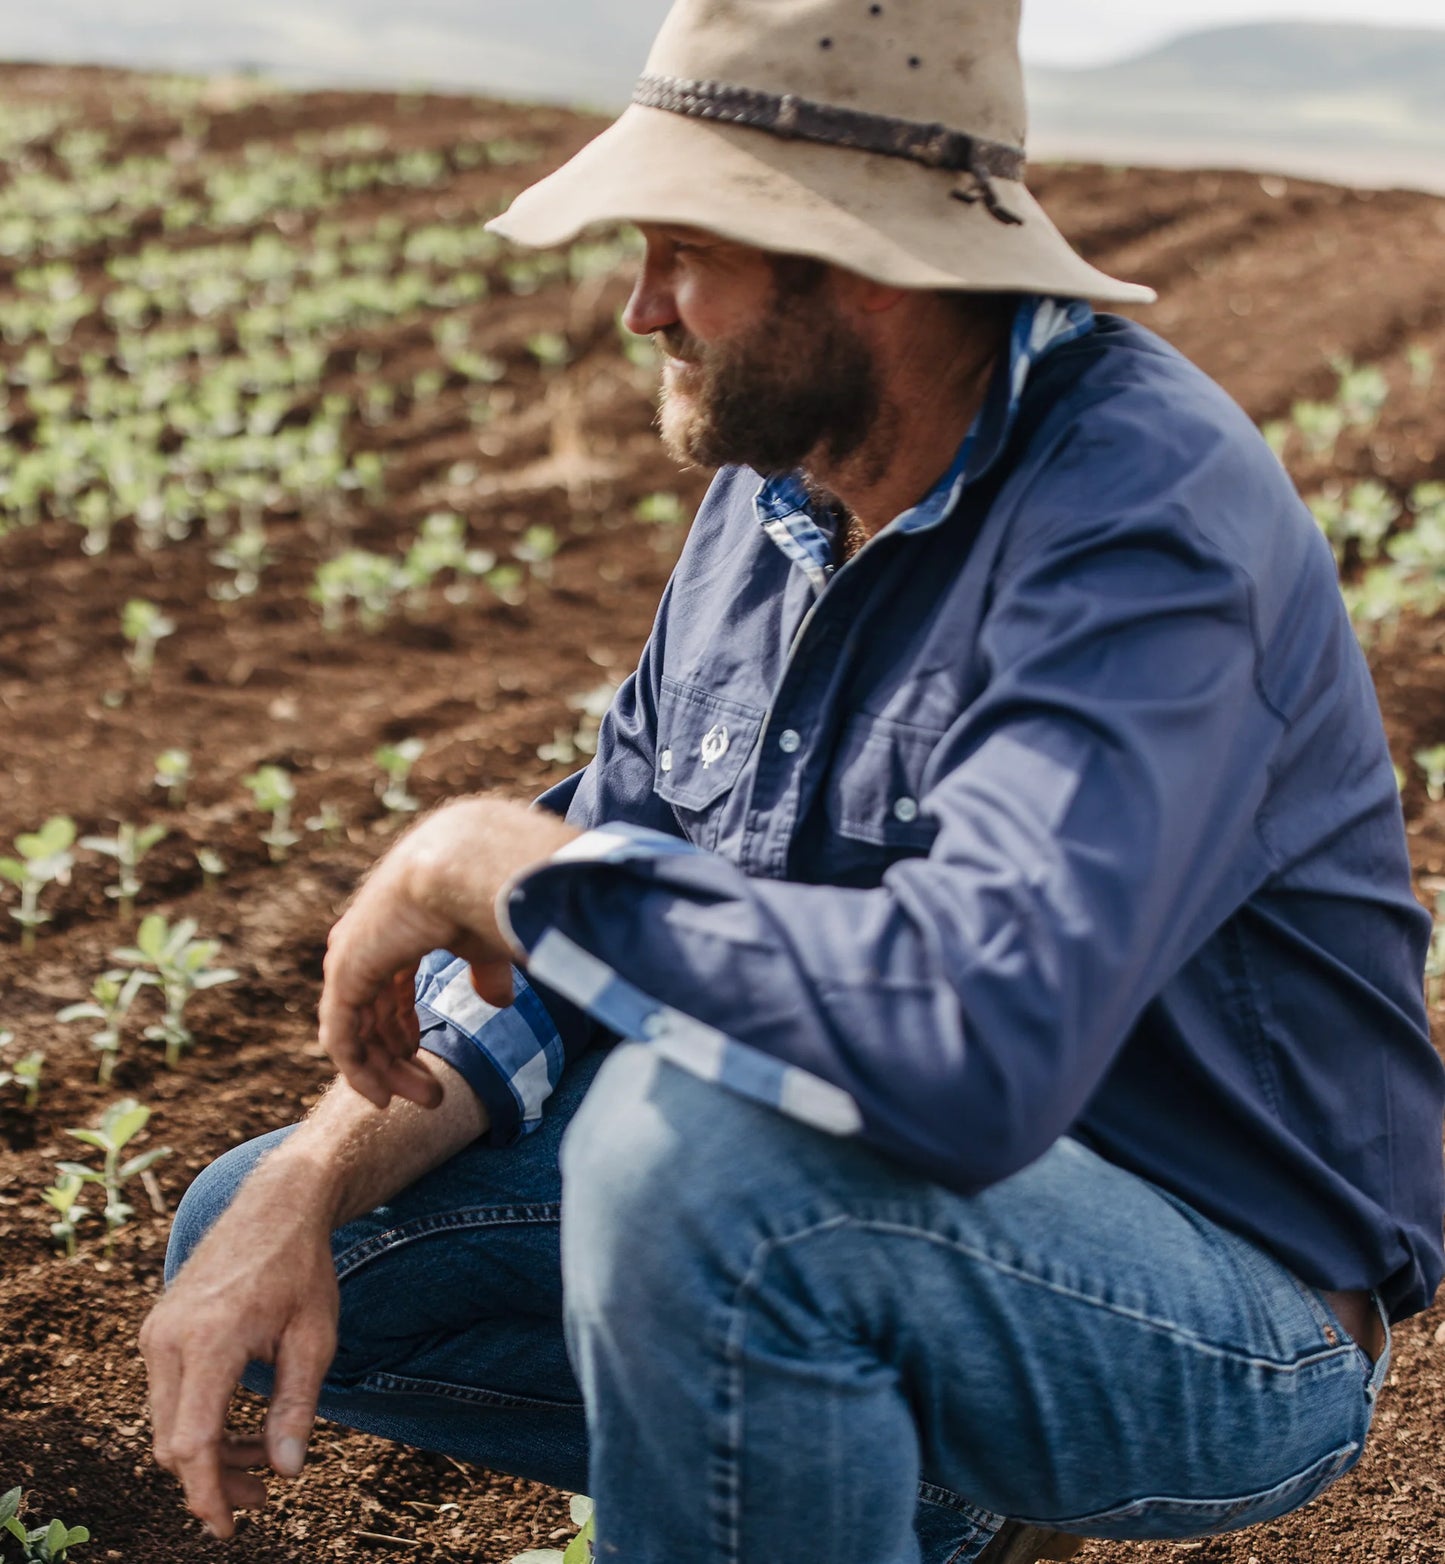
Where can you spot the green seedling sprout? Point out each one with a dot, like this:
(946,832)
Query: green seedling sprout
(63,1197)
(551,350)
(327,821)
(509,582)
(173,773)
(1435,959)
(536,550)
(45,859)
(45,1544)
(25,1073)
(128,846)
(396,761)
(112,995)
(120,1123)
(1422,366)
(275,792)
(143,625)
(580,1549)
(661,510)
(212,867)
(1432,763)
(180,965)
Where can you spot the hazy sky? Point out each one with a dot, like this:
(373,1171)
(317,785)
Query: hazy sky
(1085,32)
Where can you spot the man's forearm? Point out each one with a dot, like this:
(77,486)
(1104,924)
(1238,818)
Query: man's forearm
(347,1157)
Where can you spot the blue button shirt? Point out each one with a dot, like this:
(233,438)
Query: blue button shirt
(1063,808)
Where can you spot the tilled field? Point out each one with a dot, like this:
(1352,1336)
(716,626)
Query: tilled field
(501,394)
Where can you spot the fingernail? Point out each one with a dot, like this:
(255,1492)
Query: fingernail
(290,1456)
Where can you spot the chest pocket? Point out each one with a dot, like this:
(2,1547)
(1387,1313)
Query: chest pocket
(703,743)
(871,795)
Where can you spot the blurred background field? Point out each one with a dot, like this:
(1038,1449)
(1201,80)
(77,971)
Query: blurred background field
(382,484)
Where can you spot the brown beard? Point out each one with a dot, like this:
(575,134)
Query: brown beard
(799,383)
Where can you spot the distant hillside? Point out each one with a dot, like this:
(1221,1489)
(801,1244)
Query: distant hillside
(1302,83)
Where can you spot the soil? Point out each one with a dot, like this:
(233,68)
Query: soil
(1262,282)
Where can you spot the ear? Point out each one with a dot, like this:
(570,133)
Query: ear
(865,295)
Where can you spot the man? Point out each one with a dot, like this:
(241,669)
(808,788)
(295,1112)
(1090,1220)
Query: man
(995,862)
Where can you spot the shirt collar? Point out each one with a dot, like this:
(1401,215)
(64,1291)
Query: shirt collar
(789,515)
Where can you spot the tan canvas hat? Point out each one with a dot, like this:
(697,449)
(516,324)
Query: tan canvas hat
(886,136)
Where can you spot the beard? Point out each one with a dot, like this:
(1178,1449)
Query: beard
(800,383)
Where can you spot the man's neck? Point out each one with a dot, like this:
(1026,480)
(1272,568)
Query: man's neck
(923,418)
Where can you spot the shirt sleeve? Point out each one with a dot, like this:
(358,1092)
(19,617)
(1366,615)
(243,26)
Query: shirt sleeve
(513,1057)
(1095,812)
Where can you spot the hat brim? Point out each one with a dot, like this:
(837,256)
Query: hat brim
(886,218)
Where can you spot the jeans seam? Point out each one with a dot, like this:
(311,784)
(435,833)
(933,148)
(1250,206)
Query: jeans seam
(401,1384)
(365,1250)
(1163,1327)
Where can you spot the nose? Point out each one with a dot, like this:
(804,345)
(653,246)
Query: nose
(652,306)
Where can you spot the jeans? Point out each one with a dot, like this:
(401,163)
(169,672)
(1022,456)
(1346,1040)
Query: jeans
(751,1341)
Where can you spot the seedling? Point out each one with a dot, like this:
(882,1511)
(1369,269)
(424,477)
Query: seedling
(327,820)
(1435,960)
(112,995)
(580,1549)
(212,867)
(536,549)
(396,760)
(143,625)
(1422,366)
(663,510)
(246,555)
(45,858)
(63,1197)
(181,965)
(25,1073)
(128,846)
(275,792)
(509,583)
(1432,763)
(46,1544)
(120,1123)
(173,773)
(551,350)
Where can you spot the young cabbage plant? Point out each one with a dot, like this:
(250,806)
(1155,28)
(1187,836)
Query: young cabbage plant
(536,550)
(179,965)
(120,1123)
(63,1197)
(1432,762)
(128,846)
(396,761)
(46,1544)
(25,1072)
(327,820)
(144,626)
(112,995)
(275,792)
(45,859)
(212,867)
(173,773)
(580,1549)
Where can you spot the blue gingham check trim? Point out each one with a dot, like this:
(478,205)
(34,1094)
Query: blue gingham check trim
(578,975)
(517,1049)
(785,509)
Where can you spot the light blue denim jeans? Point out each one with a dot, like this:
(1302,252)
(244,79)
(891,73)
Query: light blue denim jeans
(790,1348)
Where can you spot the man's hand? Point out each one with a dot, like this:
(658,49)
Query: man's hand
(435,890)
(261,1286)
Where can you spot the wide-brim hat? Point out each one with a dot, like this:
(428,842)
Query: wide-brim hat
(885,136)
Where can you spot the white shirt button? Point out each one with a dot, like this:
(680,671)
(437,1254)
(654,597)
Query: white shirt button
(665,760)
(790,741)
(906,810)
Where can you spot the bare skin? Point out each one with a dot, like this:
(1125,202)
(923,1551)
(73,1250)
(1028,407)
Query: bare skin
(261,1285)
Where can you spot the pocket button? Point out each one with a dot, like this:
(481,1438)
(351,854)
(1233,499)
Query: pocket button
(905,810)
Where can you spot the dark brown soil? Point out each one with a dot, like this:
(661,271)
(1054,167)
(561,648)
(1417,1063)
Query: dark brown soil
(1262,282)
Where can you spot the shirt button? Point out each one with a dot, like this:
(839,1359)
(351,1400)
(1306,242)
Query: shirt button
(790,741)
(906,810)
(665,760)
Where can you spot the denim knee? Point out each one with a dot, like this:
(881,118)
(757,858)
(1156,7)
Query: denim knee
(210,1193)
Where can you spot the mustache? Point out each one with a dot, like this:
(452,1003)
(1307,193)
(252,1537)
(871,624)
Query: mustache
(678,344)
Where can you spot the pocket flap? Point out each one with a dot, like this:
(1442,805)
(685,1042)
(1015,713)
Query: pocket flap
(873,790)
(703,742)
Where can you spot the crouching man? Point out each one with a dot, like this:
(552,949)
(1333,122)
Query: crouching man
(1026,1124)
